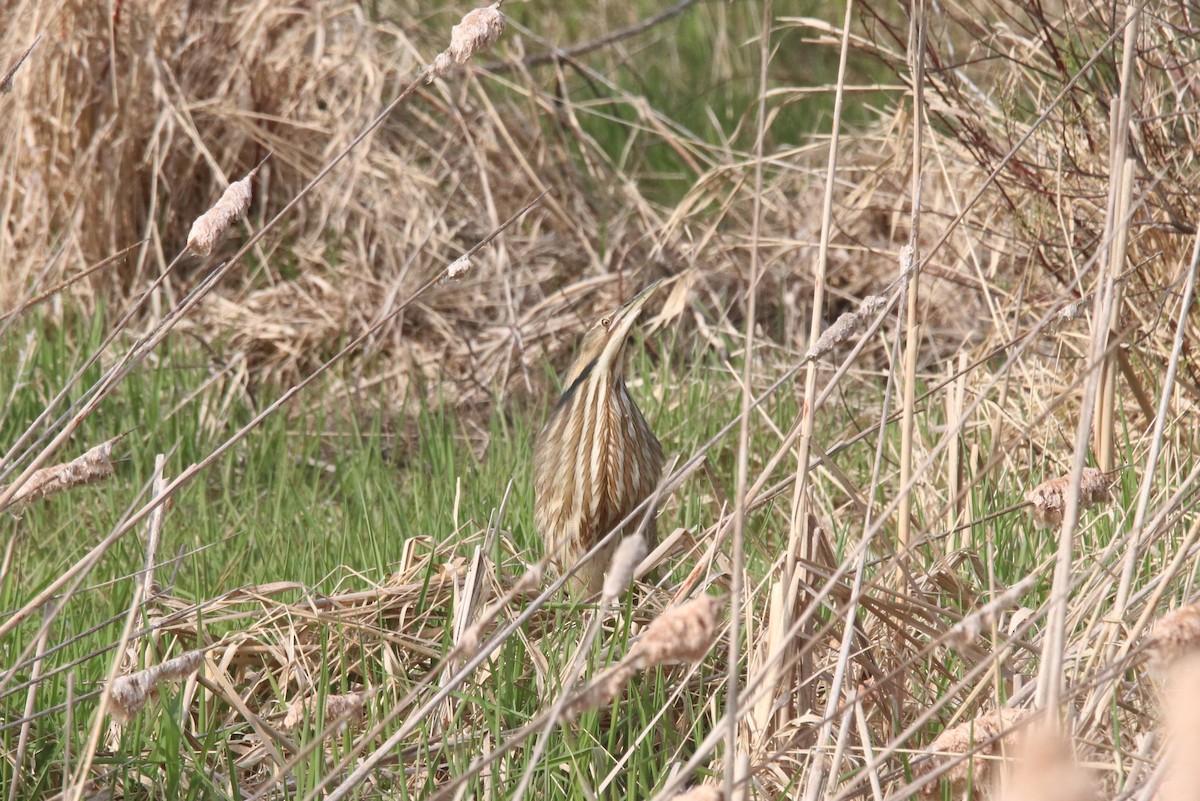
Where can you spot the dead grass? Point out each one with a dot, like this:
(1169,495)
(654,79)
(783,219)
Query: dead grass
(858,652)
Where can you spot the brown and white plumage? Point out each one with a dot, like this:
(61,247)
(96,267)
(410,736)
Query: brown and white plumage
(597,458)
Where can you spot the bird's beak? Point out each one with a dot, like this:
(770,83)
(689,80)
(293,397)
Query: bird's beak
(624,318)
(621,322)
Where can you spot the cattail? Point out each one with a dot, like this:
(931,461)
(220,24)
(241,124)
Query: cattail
(701,792)
(335,707)
(6,80)
(458,267)
(846,326)
(479,29)
(94,465)
(683,633)
(1045,769)
(1181,729)
(602,689)
(1175,636)
(907,262)
(958,745)
(210,226)
(128,694)
(628,556)
(1049,498)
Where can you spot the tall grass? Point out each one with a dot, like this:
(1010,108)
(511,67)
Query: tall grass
(907,575)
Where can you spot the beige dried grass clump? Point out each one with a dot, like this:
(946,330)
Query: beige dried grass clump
(970,747)
(336,706)
(1049,498)
(1176,636)
(129,694)
(94,465)
(210,226)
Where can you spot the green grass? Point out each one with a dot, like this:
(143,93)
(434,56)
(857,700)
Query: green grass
(328,498)
(698,70)
(303,497)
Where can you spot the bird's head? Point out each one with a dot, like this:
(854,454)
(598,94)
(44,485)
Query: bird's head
(604,344)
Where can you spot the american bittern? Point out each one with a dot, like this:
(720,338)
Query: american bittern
(597,458)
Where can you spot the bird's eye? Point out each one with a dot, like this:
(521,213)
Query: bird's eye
(606,322)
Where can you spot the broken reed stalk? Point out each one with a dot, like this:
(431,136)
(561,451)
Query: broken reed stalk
(6,80)
(741,479)
(1105,414)
(1120,176)
(910,262)
(118,695)
(27,724)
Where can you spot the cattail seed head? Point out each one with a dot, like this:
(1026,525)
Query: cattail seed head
(683,633)
(845,326)
(1044,768)
(210,226)
(1175,636)
(129,694)
(958,745)
(479,29)
(1049,499)
(628,556)
(335,706)
(94,465)
(458,267)
(1181,728)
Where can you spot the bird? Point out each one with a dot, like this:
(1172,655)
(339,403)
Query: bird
(596,459)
